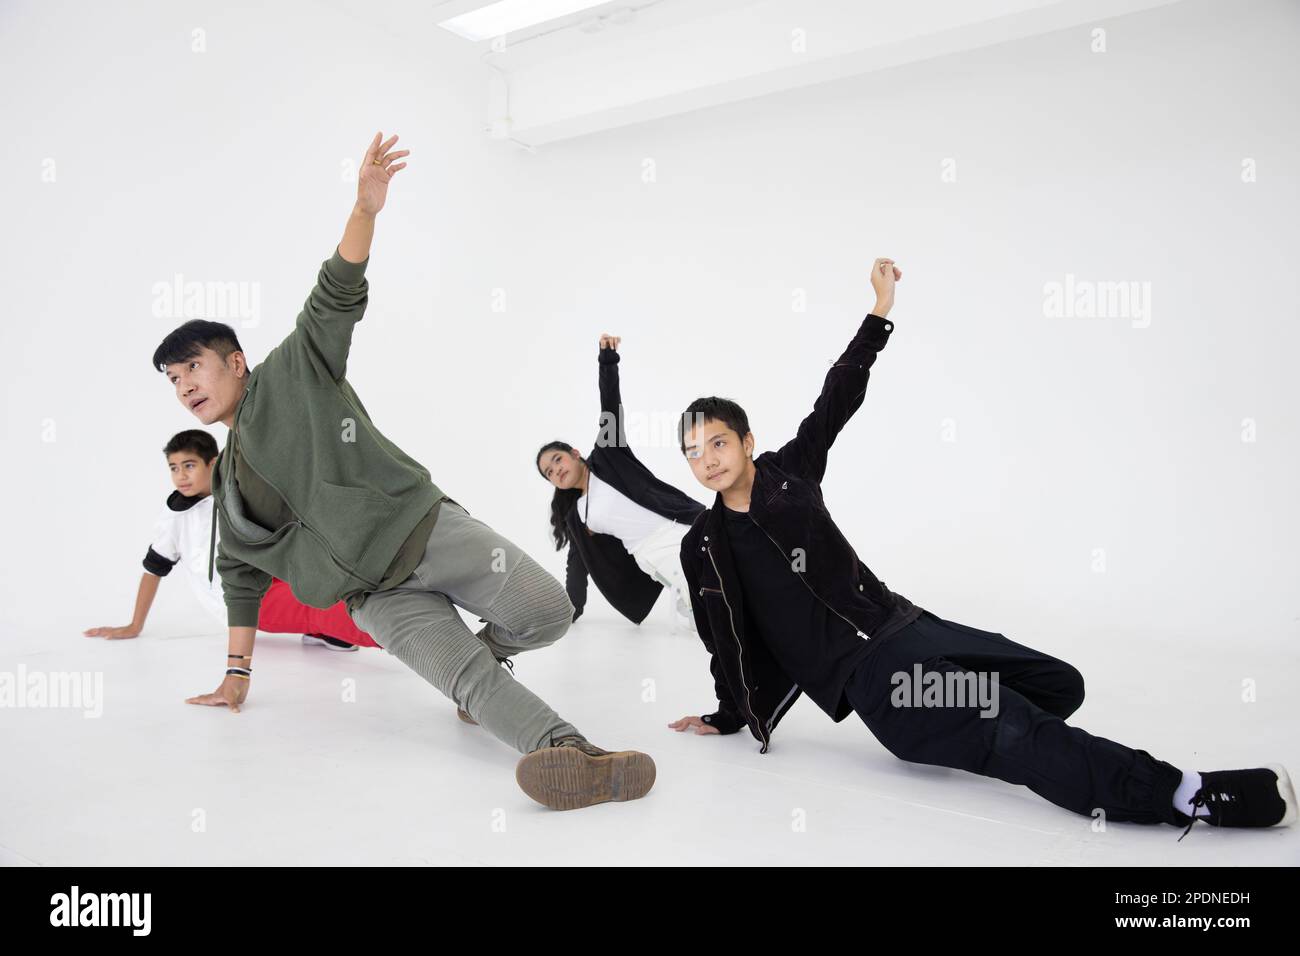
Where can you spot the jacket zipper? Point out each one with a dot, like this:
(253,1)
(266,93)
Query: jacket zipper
(859,630)
(740,650)
(793,690)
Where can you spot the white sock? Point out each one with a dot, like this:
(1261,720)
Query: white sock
(1186,790)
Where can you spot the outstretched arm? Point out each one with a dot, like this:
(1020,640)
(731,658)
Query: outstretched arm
(323,333)
(143,601)
(377,170)
(243,587)
(611,398)
(163,554)
(575,580)
(726,719)
(845,384)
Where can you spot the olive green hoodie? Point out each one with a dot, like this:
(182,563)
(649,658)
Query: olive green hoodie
(356,496)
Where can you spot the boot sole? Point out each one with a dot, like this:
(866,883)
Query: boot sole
(565,778)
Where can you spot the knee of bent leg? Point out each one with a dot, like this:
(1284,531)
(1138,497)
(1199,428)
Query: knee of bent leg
(539,605)
(1071,691)
(551,631)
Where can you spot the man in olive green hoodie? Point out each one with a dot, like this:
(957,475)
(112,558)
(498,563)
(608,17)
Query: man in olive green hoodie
(307,489)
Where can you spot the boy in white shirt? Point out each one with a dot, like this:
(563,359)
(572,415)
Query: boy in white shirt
(182,537)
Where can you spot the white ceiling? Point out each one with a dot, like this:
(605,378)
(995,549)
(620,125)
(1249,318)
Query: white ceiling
(680,55)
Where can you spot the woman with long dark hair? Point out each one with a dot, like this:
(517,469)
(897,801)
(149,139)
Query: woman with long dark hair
(623,525)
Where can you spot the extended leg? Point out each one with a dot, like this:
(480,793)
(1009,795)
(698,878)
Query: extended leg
(1023,744)
(423,630)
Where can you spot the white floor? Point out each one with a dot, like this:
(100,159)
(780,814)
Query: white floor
(302,777)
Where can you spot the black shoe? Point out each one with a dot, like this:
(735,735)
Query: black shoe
(333,643)
(1262,797)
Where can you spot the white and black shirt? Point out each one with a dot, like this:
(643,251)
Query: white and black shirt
(606,510)
(181,536)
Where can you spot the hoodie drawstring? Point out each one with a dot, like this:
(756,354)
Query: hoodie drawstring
(212,541)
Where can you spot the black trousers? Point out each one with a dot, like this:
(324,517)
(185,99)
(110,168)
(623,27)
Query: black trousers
(1027,742)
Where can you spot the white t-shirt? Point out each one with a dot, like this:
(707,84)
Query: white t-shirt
(606,510)
(183,537)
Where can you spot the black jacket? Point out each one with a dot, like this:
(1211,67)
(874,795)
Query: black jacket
(602,556)
(786,503)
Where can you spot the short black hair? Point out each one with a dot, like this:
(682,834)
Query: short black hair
(186,342)
(712,409)
(195,440)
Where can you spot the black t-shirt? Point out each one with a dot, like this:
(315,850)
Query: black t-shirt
(816,648)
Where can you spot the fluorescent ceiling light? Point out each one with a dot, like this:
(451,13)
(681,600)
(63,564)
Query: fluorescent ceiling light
(507,16)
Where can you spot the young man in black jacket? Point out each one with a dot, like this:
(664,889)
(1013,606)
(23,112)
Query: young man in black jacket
(784,606)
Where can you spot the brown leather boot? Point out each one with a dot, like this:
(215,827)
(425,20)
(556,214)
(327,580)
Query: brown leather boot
(575,773)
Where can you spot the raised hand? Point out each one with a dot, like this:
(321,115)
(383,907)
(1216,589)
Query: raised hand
(377,171)
(608,341)
(883,276)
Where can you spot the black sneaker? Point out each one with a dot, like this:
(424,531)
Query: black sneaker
(1262,797)
(333,643)
(573,773)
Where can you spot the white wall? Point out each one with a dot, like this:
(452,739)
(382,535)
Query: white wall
(1072,434)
